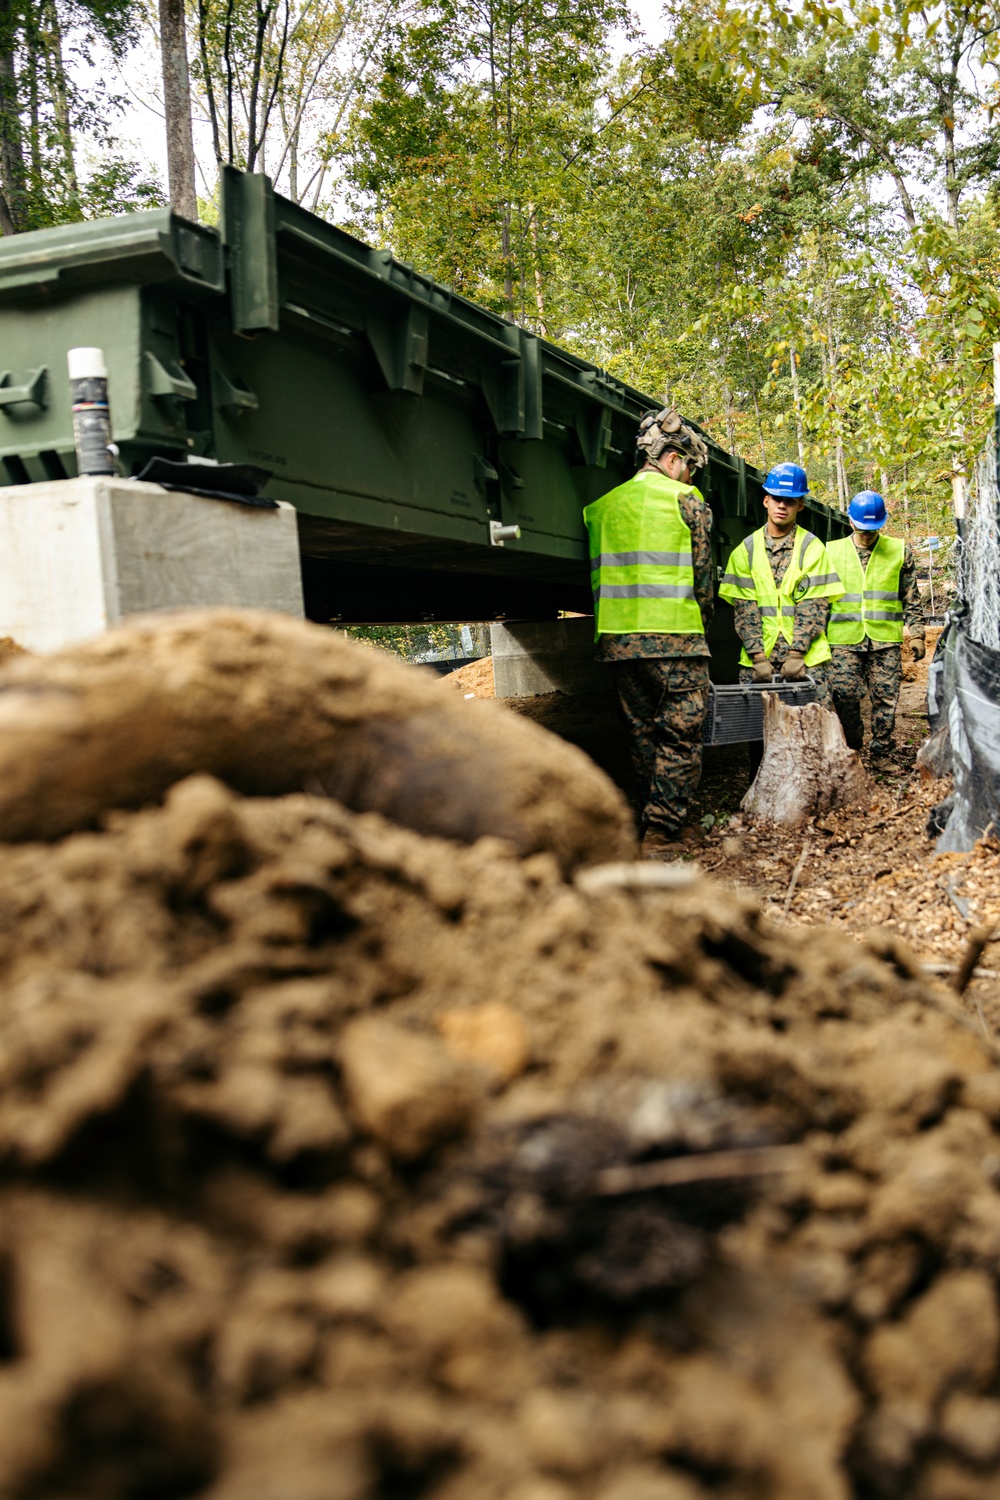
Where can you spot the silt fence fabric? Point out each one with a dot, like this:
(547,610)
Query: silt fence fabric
(964,703)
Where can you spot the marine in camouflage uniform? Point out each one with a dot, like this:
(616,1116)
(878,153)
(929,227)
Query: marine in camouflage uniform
(876,668)
(661,679)
(811,617)
(662,685)
(780,581)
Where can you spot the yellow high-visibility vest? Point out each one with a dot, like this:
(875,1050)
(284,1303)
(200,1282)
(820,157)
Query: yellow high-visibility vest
(870,605)
(810,575)
(641,564)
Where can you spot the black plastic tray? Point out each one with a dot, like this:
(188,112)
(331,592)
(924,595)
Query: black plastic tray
(736,714)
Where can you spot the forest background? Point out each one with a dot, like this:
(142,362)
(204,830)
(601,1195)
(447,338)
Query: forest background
(782,217)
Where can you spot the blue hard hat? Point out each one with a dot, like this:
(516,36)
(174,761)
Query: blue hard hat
(867,511)
(787,481)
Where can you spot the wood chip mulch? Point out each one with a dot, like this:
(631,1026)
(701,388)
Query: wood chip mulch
(875,867)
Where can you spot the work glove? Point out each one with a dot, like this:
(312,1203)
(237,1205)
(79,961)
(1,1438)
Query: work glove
(793,668)
(917,647)
(762,669)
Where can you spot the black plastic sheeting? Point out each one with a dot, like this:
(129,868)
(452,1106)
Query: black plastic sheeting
(963,704)
(240,484)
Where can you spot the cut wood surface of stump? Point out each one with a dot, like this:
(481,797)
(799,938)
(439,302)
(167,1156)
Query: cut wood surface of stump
(807,766)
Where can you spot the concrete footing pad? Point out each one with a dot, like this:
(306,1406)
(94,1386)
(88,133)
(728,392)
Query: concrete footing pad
(78,555)
(532,657)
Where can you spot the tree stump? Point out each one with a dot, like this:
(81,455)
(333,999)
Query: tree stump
(807,767)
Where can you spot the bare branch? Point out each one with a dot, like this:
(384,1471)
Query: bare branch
(710,1166)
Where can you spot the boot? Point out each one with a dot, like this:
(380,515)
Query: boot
(662,846)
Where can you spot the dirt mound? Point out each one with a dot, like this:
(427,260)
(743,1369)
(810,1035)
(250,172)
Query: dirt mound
(476,677)
(339,1162)
(273,705)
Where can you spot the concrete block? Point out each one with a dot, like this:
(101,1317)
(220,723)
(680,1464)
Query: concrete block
(531,657)
(78,555)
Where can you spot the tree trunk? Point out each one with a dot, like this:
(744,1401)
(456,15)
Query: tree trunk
(829,387)
(539,281)
(953,191)
(793,360)
(828,359)
(206,72)
(257,108)
(177,107)
(727,397)
(227,53)
(32,44)
(833,352)
(13,204)
(807,768)
(958,473)
(760,432)
(56,75)
(947,92)
(842,484)
(508,273)
(292,139)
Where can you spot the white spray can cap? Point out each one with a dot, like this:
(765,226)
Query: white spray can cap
(86,364)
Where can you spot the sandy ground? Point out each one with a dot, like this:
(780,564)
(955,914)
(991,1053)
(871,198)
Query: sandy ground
(474,680)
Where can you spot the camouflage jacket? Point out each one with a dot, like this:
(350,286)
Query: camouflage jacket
(811,615)
(909,593)
(698,519)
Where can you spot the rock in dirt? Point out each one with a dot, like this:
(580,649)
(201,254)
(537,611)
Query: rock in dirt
(271,705)
(404,1088)
(307,1122)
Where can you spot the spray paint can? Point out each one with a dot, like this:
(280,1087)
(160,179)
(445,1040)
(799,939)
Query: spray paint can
(88,383)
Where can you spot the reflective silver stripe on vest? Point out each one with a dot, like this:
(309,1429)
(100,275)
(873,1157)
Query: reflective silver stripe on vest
(816,580)
(839,619)
(878,614)
(807,537)
(883,594)
(777,609)
(850,599)
(735,580)
(644,591)
(633,559)
(748,544)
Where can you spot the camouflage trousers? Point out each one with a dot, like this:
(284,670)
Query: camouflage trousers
(877,673)
(662,702)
